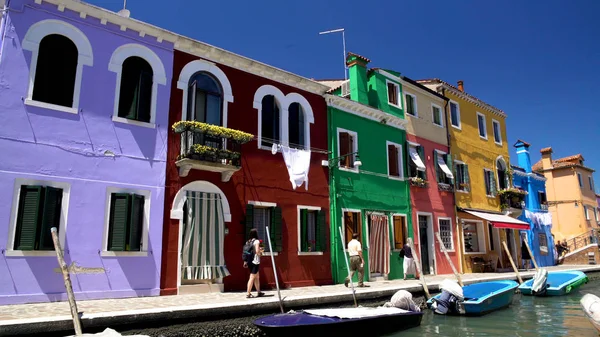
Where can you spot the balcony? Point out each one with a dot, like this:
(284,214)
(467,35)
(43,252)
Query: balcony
(445,187)
(544,206)
(418,182)
(210,148)
(512,201)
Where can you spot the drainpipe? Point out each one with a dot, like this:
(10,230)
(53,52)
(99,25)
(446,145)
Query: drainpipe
(448,126)
(3,23)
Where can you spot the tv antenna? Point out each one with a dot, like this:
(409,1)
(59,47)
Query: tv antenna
(124,12)
(344,44)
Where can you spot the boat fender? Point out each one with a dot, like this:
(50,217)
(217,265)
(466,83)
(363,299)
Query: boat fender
(539,284)
(452,287)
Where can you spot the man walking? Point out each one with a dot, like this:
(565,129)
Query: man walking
(357,262)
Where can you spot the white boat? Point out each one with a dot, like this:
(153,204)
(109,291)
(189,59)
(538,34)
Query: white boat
(107,333)
(591,306)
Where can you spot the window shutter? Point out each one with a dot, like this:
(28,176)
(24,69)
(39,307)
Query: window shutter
(344,141)
(303,230)
(492,184)
(249,220)
(275,230)
(321,233)
(458,180)
(50,216)
(350,158)
(449,164)
(144,97)
(28,217)
(466,174)
(421,152)
(119,216)
(393,160)
(437,166)
(136,223)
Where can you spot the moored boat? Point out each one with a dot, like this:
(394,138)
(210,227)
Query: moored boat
(478,299)
(591,307)
(556,283)
(399,314)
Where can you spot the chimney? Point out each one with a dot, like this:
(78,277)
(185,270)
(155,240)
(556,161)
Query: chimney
(523,157)
(546,157)
(461,85)
(357,68)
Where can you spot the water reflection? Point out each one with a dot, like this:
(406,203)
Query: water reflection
(527,317)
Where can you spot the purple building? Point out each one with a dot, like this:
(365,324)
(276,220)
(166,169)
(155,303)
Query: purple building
(84,101)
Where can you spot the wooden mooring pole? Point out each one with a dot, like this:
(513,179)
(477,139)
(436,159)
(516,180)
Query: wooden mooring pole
(67,279)
(512,262)
(531,255)
(418,265)
(458,278)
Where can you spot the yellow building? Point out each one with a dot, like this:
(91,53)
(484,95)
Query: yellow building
(570,193)
(479,148)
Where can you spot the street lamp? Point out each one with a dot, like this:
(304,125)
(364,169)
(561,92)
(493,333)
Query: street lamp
(344,42)
(331,163)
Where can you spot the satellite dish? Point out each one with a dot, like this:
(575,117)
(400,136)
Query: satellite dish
(274,149)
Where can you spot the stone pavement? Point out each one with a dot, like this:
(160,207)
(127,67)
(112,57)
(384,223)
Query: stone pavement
(55,316)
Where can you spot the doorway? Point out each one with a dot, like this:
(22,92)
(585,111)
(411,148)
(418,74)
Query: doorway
(426,244)
(379,245)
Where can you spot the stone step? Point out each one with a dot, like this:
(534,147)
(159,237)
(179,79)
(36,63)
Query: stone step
(201,288)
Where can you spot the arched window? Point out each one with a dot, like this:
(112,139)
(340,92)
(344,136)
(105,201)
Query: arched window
(135,96)
(270,121)
(296,126)
(503,178)
(56,71)
(205,99)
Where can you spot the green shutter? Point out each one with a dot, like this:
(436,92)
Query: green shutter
(321,232)
(449,164)
(275,229)
(136,223)
(304,230)
(28,217)
(421,152)
(466,174)
(119,217)
(435,164)
(249,220)
(50,216)
(492,184)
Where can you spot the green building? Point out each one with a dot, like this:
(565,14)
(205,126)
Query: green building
(369,192)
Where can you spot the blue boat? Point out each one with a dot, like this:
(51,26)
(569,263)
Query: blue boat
(481,298)
(558,283)
(341,322)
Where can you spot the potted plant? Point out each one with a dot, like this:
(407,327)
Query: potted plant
(418,182)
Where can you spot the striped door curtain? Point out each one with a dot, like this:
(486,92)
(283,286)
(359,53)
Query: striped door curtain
(203,238)
(379,245)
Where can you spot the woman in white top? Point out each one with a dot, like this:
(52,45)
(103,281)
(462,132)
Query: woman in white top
(254,265)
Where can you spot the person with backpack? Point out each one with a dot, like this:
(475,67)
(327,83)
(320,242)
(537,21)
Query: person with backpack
(251,257)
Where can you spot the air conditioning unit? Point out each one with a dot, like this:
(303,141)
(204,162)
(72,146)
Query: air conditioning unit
(346,88)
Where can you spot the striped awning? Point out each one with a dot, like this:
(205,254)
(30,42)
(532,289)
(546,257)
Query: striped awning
(202,255)
(501,221)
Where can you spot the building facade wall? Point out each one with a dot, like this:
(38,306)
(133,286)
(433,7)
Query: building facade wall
(83,151)
(263,178)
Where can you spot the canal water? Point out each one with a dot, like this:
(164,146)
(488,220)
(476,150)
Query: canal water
(527,317)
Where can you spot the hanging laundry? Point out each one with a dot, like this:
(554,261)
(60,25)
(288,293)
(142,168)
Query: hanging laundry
(298,164)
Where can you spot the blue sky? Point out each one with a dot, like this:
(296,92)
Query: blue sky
(538,63)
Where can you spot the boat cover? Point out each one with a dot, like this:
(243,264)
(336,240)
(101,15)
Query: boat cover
(108,332)
(591,306)
(360,312)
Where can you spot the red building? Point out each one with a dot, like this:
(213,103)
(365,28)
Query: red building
(431,178)
(218,188)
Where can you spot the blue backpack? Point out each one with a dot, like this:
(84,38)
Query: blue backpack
(248,252)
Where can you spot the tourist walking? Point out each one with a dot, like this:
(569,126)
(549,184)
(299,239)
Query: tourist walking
(253,264)
(408,265)
(357,262)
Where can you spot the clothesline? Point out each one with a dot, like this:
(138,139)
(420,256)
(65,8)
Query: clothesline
(299,146)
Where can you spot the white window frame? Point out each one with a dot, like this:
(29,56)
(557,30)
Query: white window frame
(459,126)
(591,182)
(299,227)
(352,210)
(459,190)
(484,126)
(587,213)
(354,134)
(414,97)
(31,42)
(264,204)
(480,233)
(12,229)
(493,177)
(580,179)
(433,105)
(451,233)
(159,77)
(495,122)
(283,102)
(145,226)
(400,160)
(400,98)
(394,229)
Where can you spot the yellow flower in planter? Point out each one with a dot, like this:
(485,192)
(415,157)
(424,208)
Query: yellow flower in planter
(213,130)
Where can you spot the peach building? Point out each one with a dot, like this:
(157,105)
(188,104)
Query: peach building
(570,192)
